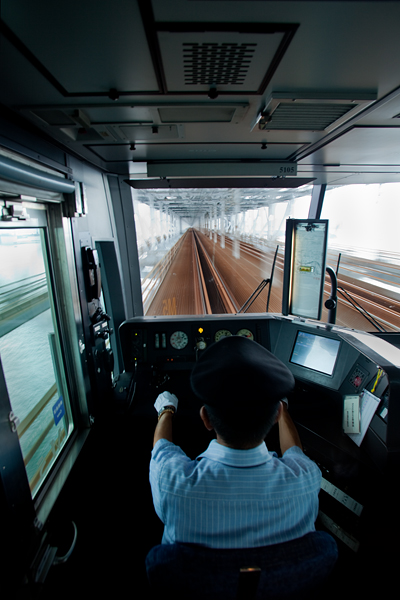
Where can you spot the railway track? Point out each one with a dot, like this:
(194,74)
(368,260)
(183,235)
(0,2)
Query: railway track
(192,284)
(204,278)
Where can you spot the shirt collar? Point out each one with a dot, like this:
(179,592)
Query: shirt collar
(236,458)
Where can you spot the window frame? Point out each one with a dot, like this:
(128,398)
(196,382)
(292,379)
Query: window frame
(59,262)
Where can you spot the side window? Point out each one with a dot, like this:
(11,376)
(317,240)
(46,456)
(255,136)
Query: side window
(30,352)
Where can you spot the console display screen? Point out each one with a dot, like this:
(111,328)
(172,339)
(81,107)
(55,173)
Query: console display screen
(315,352)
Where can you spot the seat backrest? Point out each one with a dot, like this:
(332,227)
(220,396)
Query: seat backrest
(288,570)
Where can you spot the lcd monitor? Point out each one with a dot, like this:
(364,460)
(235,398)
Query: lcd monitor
(315,352)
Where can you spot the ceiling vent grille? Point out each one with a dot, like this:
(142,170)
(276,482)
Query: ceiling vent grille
(318,112)
(217,64)
(315,117)
(231,57)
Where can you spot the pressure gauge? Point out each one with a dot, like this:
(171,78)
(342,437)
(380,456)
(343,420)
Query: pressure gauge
(221,334)
(246,333)
(179,340)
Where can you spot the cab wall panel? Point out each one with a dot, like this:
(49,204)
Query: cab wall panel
(99,219)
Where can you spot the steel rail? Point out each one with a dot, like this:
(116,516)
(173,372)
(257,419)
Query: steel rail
(222,290)
(205,300)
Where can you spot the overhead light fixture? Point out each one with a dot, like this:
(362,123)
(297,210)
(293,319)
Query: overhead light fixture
(264,146)
(132,147)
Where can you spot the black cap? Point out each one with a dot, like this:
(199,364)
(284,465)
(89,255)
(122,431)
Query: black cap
(237,370)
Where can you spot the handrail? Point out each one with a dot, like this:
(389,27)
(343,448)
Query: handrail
(36,410)
(46,461)
(40,275)
(19,298)
(28,457)
(10,291)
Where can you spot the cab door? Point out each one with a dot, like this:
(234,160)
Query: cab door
(36,397)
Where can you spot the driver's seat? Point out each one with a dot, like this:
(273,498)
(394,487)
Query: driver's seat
(294,569)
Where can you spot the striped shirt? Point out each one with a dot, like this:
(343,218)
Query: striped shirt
(230,498)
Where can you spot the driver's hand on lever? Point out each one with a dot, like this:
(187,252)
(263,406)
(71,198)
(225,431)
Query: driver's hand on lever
(288,435)
(166,406)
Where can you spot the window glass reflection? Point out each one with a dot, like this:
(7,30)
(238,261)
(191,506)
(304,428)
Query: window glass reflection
(363,241)
(30,353)
(227,222)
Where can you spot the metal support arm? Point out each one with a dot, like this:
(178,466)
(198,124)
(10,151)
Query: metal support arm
(331,303)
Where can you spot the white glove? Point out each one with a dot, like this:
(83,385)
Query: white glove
(166,399)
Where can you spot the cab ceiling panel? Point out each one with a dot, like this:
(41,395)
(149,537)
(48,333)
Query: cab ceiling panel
(221,58)
(363,148)
(87,56)
(131,122)
(20,80)
(228,183)
(141,151)
(81,48)
(136,114)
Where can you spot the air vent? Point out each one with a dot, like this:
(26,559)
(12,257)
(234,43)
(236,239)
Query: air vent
(217,64)
(231,57)
(297,116)
(318,112)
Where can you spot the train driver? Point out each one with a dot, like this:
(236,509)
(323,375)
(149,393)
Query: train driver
(236,494)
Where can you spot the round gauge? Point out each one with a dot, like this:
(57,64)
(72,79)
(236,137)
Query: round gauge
(201,344)
(179,340)
(245,333)
(221,334)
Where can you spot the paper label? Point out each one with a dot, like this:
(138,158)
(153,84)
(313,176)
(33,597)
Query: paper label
(368,405)
(351,414)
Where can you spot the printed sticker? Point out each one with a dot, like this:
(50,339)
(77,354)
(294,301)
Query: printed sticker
(58,410)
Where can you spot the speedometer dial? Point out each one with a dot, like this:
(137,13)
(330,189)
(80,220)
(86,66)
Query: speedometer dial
(221,334)
(245,333)
(179,340)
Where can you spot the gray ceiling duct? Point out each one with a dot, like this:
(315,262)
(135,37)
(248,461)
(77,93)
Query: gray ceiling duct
(21,173)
